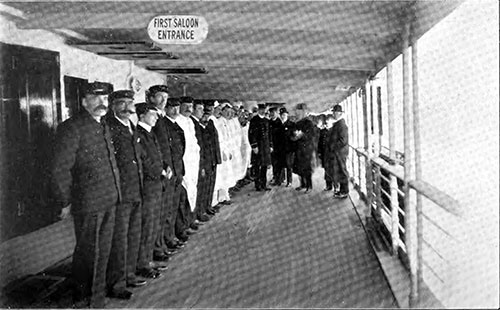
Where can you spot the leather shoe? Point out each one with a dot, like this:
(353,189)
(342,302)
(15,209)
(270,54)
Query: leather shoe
(148,273)
(327,189)
(120,294)
(190,231)
(203,218)
(136,282)
(183,238)
(160,257)
(288,184)
(159,266)
(298,188)
(210,212)
(226,203)
(267,189)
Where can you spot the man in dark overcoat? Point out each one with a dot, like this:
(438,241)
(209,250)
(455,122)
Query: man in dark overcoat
(85,181)
(337,151)
(127,232)
(304,136)
(279,149)
(260,137)
(153,173)
(322,149)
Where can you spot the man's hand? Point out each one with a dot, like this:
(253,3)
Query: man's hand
(203,172)
(169,173)
(65,212)
(255,150)
(272,150)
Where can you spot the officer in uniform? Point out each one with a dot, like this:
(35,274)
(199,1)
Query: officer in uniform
(261,142)
(172,150)
(153,173)
(337,150)
(289,146)
(85,181)
(211,137)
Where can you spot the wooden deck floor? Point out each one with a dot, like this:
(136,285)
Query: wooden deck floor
(279,249)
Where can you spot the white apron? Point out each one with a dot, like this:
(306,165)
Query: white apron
(191,159)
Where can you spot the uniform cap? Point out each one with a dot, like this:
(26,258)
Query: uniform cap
(121,95)
(173,102)
(97,88)
(261,106)
(156,89)
(144,107)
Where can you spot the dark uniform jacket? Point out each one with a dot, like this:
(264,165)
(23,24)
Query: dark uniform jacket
(305,147)
(288,128)
(126,146)
(177,145)
(211,137)
(150,155)
(84,169)
(323,134)
(172,144)
(279,140)
(204,164)
(260,136)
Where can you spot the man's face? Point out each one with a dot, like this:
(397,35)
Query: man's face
(329,122)
(261,112)
(272,114)
(301,114)
(320,123)
(96,105)
(186,109)
(209,110)
(150,118)
(123,108)
(217,112)
(226,112)
(198,111)
(160,100)
(337,115)
(172,112)
(284,117)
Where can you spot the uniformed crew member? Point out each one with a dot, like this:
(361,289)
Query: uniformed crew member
(153,172)
(279,146)
(171,141)
(304,135)
(261,141)
(289,149)
(322,149)
(337,150)
(86,182)
(202,201)
(211,137)
(127,233)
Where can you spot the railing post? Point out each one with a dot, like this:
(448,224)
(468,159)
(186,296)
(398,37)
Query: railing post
(418,169)
(392,155)
(358,142)
(351,126)
(368,149)
(411,243)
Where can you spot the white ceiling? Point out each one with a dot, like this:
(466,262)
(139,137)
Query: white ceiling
(267,51)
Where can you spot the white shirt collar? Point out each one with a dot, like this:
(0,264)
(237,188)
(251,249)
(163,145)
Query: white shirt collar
(123,123)
(261,116)
(145,126)
(171,119)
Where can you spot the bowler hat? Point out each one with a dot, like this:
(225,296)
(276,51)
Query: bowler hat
(337,108)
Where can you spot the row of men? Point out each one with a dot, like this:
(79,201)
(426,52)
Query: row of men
(292,146)
(136,193)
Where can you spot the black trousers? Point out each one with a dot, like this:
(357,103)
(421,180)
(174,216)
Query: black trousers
(276,167)
(125,246)
(287,169)
(306,180)
(211,186)
(171,201)
(341,175)
(204,196)
(184,215)
(94,234)
(260,177)
(151,221)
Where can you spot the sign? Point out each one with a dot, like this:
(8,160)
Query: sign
(178,29)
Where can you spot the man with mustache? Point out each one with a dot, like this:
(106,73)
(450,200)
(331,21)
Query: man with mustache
(85,181)
(127,233)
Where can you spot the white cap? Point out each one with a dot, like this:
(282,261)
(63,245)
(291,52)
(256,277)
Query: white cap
(216,104)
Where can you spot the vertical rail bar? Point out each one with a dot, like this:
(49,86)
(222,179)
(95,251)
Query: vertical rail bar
(392,155)
(358,140)
(351,127)
(368,169)
(411,244)
(418,169)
